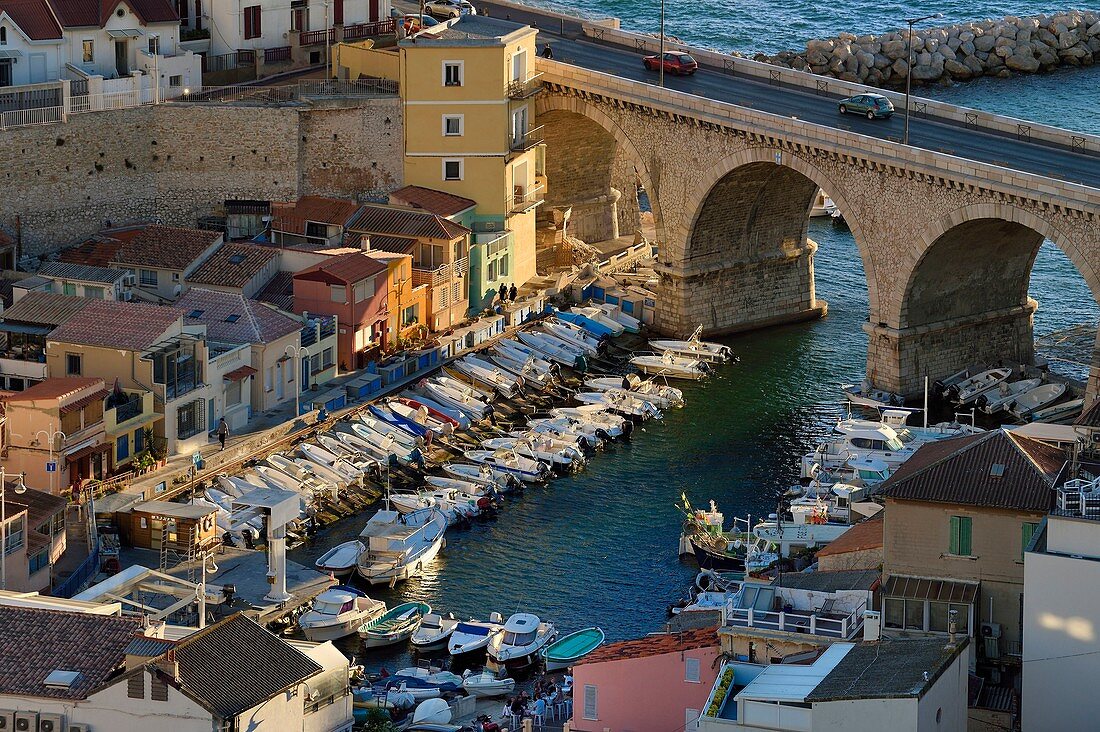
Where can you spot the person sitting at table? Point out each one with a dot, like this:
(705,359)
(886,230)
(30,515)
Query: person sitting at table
(538,709)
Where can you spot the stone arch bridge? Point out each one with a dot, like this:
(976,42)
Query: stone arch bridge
(947,243)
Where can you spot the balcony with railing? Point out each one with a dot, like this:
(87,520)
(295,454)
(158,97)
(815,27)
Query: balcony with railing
(527,140)
(525,198)
(526,87)
(826,620)
(1079,498)
(442,274)
(136,409)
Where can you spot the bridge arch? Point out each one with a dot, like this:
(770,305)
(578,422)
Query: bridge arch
(588,153)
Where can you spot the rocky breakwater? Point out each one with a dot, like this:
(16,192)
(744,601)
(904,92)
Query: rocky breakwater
(954,53)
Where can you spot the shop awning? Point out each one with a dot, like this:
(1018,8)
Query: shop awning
(86,451)
(935,590)
(124,33)
(239,374)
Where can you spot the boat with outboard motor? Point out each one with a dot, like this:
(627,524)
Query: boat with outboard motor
(433,633)
(566,651)
(523,638)
(337,612)
(671,365)
(394,626)
(471,638)
(398,546)
(339,561)
(693,347)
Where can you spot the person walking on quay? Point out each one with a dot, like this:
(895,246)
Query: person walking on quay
(503,293)
(547,52)
(223,431)
(512,292)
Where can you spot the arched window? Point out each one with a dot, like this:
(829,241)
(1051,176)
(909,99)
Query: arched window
(3,36)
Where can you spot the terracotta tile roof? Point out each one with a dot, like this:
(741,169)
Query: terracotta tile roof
(292,217)
(35,642)
(57,388)
(87,13)
(1091,416)
(407,222)
(654,645)
(239,373)
(124,325)
(433,201)
(84,401)
(864,535)
(279,291)
(233,665)
(34,18)
(351,267)
(395,244)
(99,251)
(232,318)
(234,265)
(44,308)
(166,247)
(82,272)
(997,469)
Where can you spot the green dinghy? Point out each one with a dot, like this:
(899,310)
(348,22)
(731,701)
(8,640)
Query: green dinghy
(396,625)
(573,647)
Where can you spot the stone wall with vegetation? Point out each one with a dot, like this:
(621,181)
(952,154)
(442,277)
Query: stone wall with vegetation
(1001,48)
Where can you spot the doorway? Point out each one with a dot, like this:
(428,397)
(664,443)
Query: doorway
(122,66)
(37,65)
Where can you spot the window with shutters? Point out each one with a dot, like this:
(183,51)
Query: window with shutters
(590,702)
(338,293)
(252,22)
(158,690)
(1027,530)
(338,12)
(959,543)
(363,290)
(691,670)
(135,686)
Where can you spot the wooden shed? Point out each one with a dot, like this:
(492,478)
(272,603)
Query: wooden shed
(183,526)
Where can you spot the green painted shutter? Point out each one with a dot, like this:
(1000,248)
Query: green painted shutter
(964,536)
(953,537)
(1027,530)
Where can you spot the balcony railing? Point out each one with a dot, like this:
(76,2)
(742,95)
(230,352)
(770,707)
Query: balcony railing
(276,55)
(525,88)
(316,38)
(368,30)
(1080,498)
(529,139)
(527,199)
(441,274)
(839,626)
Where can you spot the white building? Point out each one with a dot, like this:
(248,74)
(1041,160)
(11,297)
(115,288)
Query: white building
(82,280)
(100,673)
(896,685)
(1061,651)
(265,24)
(30,43)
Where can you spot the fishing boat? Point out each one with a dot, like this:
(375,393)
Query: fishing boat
(337,612)
(970,389)
(433,633)
(471,638)
(1037,398)
(632,324)
(394,626)
(598,415)
(692,347)
(523,369)
(529,447)
(397,422)
(670,365)
(399,546)
(1003,395)
(564,652)
(1058,413)
(437,410)
(620,402)
(463,400)
(519,645)
(601,318)
(339,561)
(488,373)
(526,469)
(576,338)
(487,684)
(866,395)
(662,395)
(482,475)
(590,323)
(554,349)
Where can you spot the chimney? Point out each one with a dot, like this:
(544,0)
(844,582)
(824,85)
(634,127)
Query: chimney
(169,666)
(872,625)
(952,625)
(364,242)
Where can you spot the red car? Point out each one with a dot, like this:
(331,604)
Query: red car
(675,63)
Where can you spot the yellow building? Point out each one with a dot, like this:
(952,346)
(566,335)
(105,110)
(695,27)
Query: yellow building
(408,301)
(468,89)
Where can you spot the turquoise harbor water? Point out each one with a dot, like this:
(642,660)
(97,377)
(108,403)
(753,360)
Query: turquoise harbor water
(599,548)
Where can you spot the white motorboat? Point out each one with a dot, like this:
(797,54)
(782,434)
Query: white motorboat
(488,373)
(662,395)
(594,313)
(913,436)
(464,401)
(529,358)
(339,561)
(337,612)
(1058,413)
(524,370)
(572,445)
(523,637)
(399,546)
(482,475)
(526,469)
(1035,399)
(632,324)
(370,448)
(970,389)
(487,684)
(670,365)
(798,532)
(1002,396)
(588,433)
(578,339)
(462,486)
(694,348)
(302,471)
(823,205)
(531,448)
(433,633)
(433,712)
(277,478)
(472,637)
(556,350)
(354,455)
(620,402)
(597,415)
(857,438)
(325,459)
(369,425)
(440,411)
(480,392)
(421,415)
(455,505)
(866,395)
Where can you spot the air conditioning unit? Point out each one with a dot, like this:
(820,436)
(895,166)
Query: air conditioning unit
(26,722)
(130,279)
(991,630)
(126,296)
(51,723)
(490,226)
(7,720)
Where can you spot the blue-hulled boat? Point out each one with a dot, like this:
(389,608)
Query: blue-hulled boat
(402,423)
(597,329)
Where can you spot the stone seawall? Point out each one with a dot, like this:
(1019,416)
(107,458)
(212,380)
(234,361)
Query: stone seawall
(1001,48)
(174,163)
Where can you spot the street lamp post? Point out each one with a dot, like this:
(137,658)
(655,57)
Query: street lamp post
(296,352)
(909,66)
(661,55)
(51,437)
(20,488)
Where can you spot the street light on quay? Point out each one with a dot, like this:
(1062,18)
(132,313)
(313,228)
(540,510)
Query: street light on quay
(20,487)
(296,352)
(909,65)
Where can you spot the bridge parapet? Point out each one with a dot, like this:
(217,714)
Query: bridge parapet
(830,87)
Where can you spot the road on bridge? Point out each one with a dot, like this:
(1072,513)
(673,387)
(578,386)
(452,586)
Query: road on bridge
(938,135)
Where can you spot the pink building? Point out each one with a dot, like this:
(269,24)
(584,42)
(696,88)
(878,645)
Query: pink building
(659,682)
